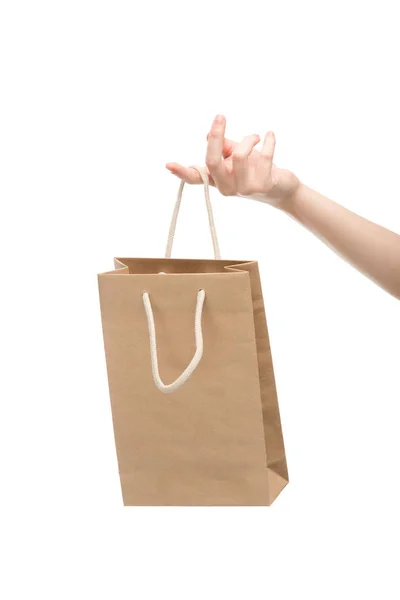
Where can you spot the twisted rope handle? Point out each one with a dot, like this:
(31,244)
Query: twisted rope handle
(171,235)
(184,376)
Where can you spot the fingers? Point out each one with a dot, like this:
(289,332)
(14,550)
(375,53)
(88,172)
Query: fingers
(215,147)
(186,173)
(267,151)
(228,147)
(240,162)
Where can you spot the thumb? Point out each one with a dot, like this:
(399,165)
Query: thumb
(228,147)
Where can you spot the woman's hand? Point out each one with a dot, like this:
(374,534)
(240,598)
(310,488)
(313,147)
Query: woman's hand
(238,169)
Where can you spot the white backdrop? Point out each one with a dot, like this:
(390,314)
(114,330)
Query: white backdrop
(96,98)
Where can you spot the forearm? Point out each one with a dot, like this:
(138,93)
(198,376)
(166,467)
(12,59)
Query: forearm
(372,249)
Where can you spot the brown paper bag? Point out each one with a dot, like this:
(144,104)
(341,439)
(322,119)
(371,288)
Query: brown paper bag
(194,405)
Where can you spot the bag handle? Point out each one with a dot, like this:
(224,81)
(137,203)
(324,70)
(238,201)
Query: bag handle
(184,376)
(204,176)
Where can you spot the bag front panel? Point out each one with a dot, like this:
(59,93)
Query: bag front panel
(204,443)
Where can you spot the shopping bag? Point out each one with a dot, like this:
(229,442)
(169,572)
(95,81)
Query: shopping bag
(193,398)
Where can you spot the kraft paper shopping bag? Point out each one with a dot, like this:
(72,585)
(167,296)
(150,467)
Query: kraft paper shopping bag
(194,404)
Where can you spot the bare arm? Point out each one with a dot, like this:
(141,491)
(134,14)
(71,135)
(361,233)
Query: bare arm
(372,249)
(239,169)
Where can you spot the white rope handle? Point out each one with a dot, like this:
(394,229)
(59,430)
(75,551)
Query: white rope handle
(184,376)
(171,235)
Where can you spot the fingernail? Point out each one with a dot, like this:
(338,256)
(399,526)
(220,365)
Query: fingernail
(219,119)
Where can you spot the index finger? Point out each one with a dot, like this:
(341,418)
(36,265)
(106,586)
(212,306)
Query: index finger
(188,174)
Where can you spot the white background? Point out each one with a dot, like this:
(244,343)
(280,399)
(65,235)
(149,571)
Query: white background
(95,98)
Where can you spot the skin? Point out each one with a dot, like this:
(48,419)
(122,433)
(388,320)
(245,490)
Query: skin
(239,169)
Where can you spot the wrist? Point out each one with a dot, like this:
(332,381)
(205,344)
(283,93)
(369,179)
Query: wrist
(290,203)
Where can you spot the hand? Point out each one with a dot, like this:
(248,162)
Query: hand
(238,169)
